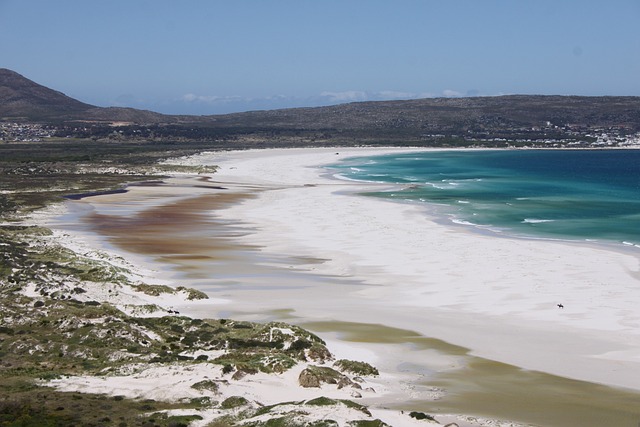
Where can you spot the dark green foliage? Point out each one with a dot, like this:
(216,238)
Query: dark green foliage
(48,408)
(209,385)
(267,409)
(153,290)
(421,416)
(300,344)
(234,402)
(358,368)
(324,423)
(241,325)
(235,344)
(321,401)
(353,405)
(25,414)
(200,402)
(319,352)
(368,423)
(293,413)
(193,294)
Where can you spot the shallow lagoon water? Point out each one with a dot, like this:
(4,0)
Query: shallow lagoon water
(493,389)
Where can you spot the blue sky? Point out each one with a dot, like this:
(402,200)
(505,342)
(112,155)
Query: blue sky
(218,56)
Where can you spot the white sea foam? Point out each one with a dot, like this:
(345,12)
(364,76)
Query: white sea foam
(536,221)
(438,186)
(462,222)
(342,177)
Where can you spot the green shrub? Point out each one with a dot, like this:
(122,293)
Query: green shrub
(421,416)
(321,401)
(368,423)
(234,402)
(358,368)
(209,385)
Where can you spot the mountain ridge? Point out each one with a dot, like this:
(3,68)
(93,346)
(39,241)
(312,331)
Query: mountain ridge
(20,96)
(508,116)
(24,99)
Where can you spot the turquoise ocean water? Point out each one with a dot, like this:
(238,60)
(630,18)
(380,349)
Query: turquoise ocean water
(564,194)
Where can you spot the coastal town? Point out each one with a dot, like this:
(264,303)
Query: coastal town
(25,132)
(545,136)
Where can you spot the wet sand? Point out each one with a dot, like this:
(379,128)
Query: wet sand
(495,390)
(177,226)
(177,232)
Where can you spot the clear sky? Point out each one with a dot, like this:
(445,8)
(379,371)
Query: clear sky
(218,56)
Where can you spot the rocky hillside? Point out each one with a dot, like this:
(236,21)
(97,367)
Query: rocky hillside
(440,114)
(21,97)
(515,119)
(24,100)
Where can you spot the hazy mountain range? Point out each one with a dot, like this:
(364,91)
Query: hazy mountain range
(24,100)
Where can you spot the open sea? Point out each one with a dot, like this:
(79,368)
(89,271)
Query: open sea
(563,194)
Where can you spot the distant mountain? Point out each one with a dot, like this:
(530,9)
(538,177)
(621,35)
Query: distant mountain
(23,99)
(417,120)
(453,114)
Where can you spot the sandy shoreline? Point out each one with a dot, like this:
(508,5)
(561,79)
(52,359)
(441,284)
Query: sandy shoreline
(496,296)
(380,262)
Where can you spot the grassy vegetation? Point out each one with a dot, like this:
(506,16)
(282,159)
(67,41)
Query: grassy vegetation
(354,367)
(292,414)
(39,407)
(51,329)
(153,290)
(192,294)
(37,173)
(52,334)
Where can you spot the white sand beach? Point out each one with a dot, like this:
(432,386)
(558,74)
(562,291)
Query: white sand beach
(355,260)
(494,295)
